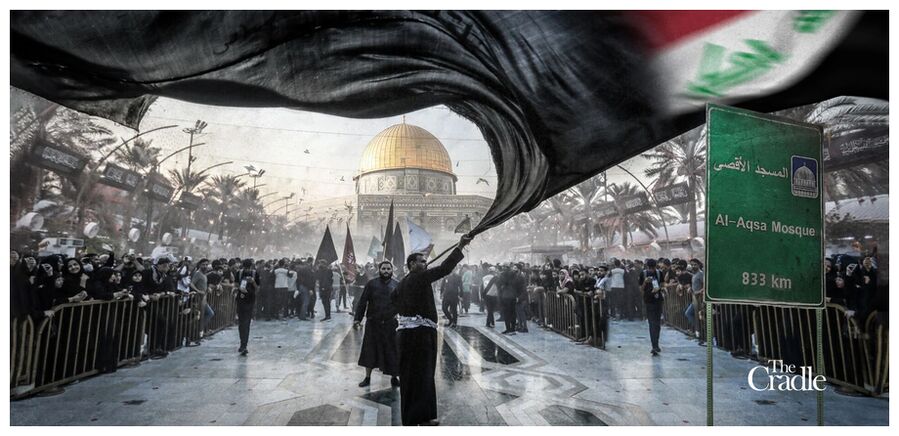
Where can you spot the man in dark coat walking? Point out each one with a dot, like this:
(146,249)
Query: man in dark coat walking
(325,279)
(452,290)
(417,335)
(379,342)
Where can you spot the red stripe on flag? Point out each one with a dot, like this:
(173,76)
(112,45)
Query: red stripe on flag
(664,28)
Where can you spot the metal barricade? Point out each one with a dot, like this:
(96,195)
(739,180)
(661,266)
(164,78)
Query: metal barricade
(673,311)
(853,358)
(222,303)
(560,314)
(21,353)
(877,351)
(79,340)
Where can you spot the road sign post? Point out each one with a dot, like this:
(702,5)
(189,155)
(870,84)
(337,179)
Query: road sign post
(764,214)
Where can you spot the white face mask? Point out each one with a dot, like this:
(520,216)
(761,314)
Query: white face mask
(88,268)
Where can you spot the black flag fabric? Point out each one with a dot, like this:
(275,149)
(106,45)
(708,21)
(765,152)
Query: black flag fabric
(546,88)
(326,250)
(398,248)
(388,234)
(349,257)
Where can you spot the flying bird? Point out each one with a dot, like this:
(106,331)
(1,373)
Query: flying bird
(250,168)
(457,164)
(482,180)
(306,151)
(342,179)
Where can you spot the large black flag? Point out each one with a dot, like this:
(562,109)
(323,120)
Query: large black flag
(546,88)
(398,248)
(326,250)
(388,234)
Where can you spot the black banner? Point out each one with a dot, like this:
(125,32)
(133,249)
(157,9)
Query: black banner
(57,159)
(119,177)
(604,210)
(190,201)
(867,144)
(673,194)
(636,203)
(159,189)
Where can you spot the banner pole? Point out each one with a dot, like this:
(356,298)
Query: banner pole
(819,364)
(710,421)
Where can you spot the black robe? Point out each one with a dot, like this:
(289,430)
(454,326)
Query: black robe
(379,342)
(418,346)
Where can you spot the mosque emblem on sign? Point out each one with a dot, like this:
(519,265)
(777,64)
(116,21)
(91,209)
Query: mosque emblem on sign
(804,180)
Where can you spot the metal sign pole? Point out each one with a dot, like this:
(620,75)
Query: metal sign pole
(710,421)
(819,363)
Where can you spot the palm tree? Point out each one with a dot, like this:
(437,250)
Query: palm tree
(246,213)
(646,221)
(682,159)
(139,156)
(221,189)
(583,196)
(186,180)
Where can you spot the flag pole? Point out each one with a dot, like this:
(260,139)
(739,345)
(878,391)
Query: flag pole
(443,253)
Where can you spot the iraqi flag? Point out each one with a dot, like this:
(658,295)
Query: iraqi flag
(326,250)
(349,257)
(559,96)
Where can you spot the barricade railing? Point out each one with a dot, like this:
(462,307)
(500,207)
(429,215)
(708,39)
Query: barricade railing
(21,355)
(82,339)
(854,357)
(222,303)
(877,349)
(673,309)
(560,314)
(596,321)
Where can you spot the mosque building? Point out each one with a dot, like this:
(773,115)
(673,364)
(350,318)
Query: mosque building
(408,165)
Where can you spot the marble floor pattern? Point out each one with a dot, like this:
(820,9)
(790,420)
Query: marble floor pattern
(305,373)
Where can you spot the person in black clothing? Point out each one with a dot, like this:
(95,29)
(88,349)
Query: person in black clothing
(245,297)
(106,287)
(325,279)
(158,283)
(379,342)
(413,299)
(511,286)
(306,287)
(452,290)
(489,295)
(651,284)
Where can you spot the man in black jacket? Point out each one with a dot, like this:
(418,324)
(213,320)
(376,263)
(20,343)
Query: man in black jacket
(245,297)
(651,284)
(417,335)
(452,290)
(325,280)
(379,342)
(511,286)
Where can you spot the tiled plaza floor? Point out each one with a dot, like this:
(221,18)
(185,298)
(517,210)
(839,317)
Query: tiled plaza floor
(305,373)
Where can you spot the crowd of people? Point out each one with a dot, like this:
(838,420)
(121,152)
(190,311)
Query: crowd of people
(396,302)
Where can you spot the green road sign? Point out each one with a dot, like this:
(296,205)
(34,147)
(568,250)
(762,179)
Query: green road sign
(764,210)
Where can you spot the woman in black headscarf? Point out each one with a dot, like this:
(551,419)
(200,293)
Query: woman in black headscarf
(105,286)
(74,283)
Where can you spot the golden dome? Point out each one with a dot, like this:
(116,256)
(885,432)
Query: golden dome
(405,146)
